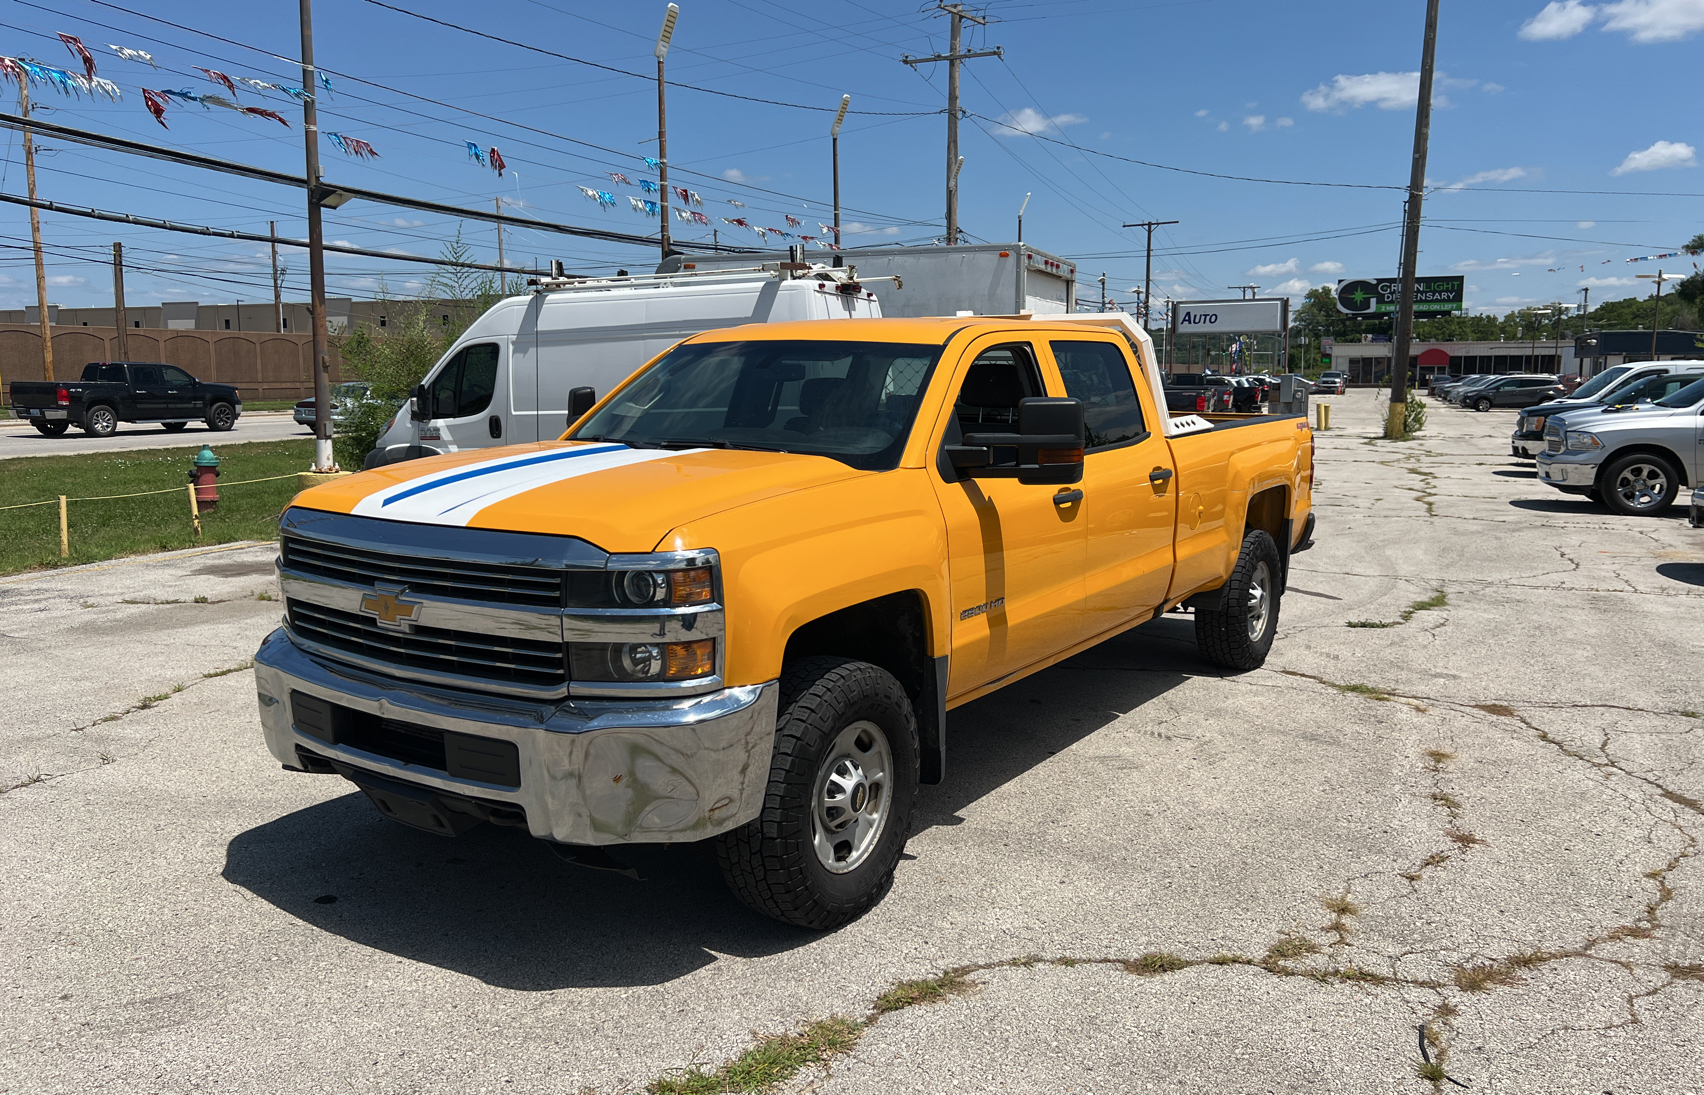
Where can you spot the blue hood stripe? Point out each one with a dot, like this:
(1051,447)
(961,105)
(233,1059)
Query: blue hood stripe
(475,473)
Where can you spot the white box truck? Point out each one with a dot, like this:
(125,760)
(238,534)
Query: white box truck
(509,377)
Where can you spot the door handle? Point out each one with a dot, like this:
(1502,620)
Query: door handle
(494,426)
(1159,475)
(1067,497)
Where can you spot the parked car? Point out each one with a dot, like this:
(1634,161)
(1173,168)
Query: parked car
(1449,388)
(736,601)
(1512,391)
(1633,459)
(1645,384)
(343,399)
(1440,380)
(111,392)
(1696,516)
(1571,383)
(1192,393)
(1331,383)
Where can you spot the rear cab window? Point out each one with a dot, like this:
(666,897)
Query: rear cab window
(1098,375)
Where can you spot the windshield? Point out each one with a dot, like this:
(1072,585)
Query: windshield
(1686,397)
(1600,382)
(348,391)
(851,401)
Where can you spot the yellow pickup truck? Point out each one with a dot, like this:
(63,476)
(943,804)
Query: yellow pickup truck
(735,601)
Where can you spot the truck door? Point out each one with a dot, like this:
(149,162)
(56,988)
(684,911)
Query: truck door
(148,392)
(1015,555)
(459,398)
(183,394)
(1129,487)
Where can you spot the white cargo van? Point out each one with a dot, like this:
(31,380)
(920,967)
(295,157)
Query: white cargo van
(510,376)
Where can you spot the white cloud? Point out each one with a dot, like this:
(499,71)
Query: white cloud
(854,228)
(1654,20)
(342,243)
(1286,123)
(1224,126)
(404,222)
(1201,113)
(1029,122)
(1288,267)
(1491,88)
(398,251)
(1598,283)
(1495,175)
(66,281)
(1386,90)
(1295,287)
(1514,300)
(1660,155)
(1326,268)
(1547,258)
(1585,224)
(1255,122)
(1105,135)
(1558,19)
(735,175)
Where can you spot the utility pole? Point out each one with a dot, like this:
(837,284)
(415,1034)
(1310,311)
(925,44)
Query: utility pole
(503,278)
(953,57)
(1148,274)
(1585,299)
(1103,290)
(1396,425)
(1021,280)
(277,290)
(1244,292)
(1656,315)
(323,460)
(35,235)
(118,317)
(834,140)
(662,119)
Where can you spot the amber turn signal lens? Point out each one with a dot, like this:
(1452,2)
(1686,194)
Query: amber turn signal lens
(694,659)
(1059,456)
(691,587)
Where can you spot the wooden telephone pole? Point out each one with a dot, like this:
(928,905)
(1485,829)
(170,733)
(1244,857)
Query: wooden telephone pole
(35,236)
(1396,426)
(953,57)
(1148,270)
(118,317)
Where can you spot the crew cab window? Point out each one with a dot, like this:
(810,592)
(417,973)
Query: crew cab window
(1098,375)
(851,401)
(175,375)
(465,384)
(145,375)
(105,374)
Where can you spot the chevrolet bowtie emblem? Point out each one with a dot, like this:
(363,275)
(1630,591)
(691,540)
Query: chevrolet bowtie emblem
(392,611)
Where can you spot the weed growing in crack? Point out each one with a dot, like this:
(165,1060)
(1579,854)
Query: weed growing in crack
(148,701)
(1436,600)
(1446,1010)
(1431,1071)
(925,991)
(1447,801)
(1464,838)
(88,604)
(1157,962)
(200,600)
(1371,623)
(1372,692)
(228,670)
(1340,907)
(106,758)
(1483,977)
(1437,758)
(1228,960)
(1693,972)
(32,778)
(1688,714)
(1291,946)
(772,1061)
(264,596)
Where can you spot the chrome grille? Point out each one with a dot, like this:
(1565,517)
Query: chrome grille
(1553,444)
(526,662)
(501,584)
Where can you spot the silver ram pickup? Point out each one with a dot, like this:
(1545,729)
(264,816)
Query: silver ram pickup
(1635,460)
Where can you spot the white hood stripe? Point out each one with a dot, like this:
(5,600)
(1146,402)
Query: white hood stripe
(457,496)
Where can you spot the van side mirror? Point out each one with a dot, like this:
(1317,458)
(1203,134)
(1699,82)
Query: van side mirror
(580,400)
(1047,449)
(417,406)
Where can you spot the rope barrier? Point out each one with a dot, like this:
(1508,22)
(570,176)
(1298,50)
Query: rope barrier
(146,493)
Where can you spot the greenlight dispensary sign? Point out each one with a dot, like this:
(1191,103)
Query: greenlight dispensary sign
(1364,297)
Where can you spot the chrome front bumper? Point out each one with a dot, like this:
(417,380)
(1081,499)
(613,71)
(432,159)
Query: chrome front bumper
(1565,473)
(591,772)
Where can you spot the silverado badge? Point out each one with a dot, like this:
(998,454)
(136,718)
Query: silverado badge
(392,611)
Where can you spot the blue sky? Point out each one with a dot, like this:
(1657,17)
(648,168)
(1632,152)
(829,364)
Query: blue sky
(1569,96)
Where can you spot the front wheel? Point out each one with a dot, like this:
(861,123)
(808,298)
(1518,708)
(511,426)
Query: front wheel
(50,429)
(836,814)
(1239,633)
(221,417)
(1482,404)
(1639,485)
(101,421)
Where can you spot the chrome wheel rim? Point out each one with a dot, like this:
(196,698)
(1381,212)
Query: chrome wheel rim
(849,808)
(1642,486)
(102,421)
(1259,601)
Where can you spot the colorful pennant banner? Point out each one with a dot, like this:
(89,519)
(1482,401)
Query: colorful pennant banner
(125,54)
(353,146)
(81,52)
(649,186)
(792,221)
(156,104)
(616,176)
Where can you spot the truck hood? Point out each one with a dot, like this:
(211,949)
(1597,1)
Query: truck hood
(618,498)
(1625,416)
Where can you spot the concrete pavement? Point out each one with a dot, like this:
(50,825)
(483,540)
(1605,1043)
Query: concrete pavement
(1483,818)
(18,438)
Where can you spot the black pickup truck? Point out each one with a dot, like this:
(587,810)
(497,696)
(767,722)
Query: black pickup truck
(111,392)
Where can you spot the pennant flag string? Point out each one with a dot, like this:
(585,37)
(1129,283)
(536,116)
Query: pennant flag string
(19,70)
(696,198)
(1664,255)
(653,163)
(219,101)
(792,221)
(649,186)
(273,115)
(156,104)
(134,55)
(681,191)
(476,154)
(81,52)
(735,204)
(497,161)
(616,176)
(217,77)
(325,82)
(682,214)
(353,146)
(699,218)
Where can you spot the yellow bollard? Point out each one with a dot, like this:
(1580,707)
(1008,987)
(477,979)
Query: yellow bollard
(64,531)
(1323,416)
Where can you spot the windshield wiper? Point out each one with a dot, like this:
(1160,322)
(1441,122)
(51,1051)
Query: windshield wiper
(714,443)
(616,441)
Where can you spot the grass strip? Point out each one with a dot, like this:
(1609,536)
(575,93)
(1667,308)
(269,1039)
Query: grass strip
(114,527)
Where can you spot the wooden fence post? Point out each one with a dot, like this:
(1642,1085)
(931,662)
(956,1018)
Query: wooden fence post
(64,531)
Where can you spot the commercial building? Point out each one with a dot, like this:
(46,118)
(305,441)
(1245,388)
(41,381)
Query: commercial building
(1598,350)
(1368,363)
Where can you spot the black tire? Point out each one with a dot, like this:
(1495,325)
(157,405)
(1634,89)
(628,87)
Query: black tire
(1482,404)
(100,421)
(1639,485)
(1238,634)
(50,429)
(221,417)
(773,863)
(174,427)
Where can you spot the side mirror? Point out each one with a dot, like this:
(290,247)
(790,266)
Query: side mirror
(1047,449)
(580,400)
(417,406)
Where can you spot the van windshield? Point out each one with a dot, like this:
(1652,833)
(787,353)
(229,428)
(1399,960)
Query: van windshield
(1601,381)
(850,401)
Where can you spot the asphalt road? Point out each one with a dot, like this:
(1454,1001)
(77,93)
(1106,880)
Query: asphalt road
(21,439)
(1501,797)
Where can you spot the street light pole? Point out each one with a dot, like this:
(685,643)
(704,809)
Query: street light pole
(1657,313)
(834,140)
(662,119)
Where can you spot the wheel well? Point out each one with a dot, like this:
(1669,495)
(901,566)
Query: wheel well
(1668,457)
(1267,511)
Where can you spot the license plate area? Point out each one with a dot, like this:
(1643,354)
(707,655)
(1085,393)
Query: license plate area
(459,756)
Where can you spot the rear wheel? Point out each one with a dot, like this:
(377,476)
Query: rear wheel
(174,426)
(1639,485)
(221,417)
(1483,403)
(100,421)
(51,429)
(1239,633)
(842,782)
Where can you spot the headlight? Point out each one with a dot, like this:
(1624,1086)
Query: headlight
(665,580)
(1581,441)
(642,661)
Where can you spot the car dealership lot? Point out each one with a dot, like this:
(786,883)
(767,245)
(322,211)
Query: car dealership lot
(19,438)
(1498,796)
